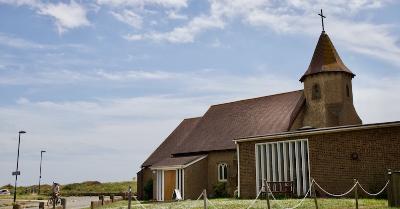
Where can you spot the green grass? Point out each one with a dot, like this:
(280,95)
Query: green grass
(71,189)
(25,197)
(243,204)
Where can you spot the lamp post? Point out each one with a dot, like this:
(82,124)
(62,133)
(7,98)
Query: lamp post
(40,169)
(16,173)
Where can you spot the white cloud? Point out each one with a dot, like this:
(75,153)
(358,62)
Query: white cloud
(61,77)
(183,34)
(293,16)
(128,17)
(138,74)
(66,16)
(133,37)
(15,42)
(21,2)
(173,15)
(383,106)
(142,3)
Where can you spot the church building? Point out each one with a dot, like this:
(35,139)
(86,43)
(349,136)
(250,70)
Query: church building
(313,133)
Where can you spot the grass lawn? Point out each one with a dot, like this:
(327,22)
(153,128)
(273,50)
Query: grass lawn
(243,204)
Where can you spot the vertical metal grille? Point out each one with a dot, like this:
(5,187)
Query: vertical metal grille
(283,161)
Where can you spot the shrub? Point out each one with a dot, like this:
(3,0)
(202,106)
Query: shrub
(148,190)
(220,190)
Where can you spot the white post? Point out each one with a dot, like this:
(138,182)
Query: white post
(303,164)
(297,157)
(285,162)
(238,167)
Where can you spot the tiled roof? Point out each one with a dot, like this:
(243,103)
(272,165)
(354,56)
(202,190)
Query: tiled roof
(166,148)
(224,122)
(325,59)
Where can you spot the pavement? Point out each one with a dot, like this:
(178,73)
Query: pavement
(72,202)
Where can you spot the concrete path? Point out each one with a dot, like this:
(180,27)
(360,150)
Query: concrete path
(72,202)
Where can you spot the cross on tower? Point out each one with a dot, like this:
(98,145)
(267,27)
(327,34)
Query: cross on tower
(322,19)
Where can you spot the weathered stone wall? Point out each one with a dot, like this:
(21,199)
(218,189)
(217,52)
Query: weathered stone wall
(335,106)
(331,164)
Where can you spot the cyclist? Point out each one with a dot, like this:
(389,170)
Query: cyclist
(55,189)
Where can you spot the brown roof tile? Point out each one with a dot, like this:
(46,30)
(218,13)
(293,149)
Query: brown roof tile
(325,59)
(224,122)
(165,150)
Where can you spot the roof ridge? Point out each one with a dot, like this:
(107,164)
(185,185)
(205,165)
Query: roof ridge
(192,118)
(242,100)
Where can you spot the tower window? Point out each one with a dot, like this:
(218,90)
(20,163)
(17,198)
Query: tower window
(316,92)
(347,90)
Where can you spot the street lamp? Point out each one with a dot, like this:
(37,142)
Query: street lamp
(40,169)
(16,173)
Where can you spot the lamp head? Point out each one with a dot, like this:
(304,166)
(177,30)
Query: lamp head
(21,132)
(43,151)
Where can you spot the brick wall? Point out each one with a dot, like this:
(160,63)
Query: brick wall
(330,159)
(195,179)
(143,176)
(215,158)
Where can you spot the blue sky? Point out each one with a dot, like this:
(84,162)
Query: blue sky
(99,84)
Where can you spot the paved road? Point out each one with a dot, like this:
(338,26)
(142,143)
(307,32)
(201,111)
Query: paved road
(72,202)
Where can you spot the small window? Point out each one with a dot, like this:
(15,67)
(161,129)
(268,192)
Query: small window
(316,92)
(222,172)
(347,90)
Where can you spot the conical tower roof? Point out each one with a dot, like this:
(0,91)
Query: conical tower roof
(325,59)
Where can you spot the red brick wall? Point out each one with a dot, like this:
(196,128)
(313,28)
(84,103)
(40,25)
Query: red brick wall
(215,158)
(330,159)
(143,176)
(195,179)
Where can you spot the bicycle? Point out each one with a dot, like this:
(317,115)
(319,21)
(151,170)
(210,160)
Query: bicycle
(54,200)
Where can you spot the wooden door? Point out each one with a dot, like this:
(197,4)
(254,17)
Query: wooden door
(169,184)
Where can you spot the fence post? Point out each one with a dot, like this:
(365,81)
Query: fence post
(356,193)
(314,193)
(17,206)
(129,197)
(390,189)
(41,205)
(394,188)
(205,198)
(268,204)
(112,197)
(101,198)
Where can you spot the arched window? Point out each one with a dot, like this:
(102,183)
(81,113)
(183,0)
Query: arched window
(316,92)
(347,90)
(222,172)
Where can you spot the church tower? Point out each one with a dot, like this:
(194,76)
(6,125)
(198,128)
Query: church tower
(328,89)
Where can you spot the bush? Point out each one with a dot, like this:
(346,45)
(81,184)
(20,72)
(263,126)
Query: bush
(220,190)
(148,190)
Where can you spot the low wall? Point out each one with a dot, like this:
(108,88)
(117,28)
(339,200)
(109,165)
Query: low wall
(102,201)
